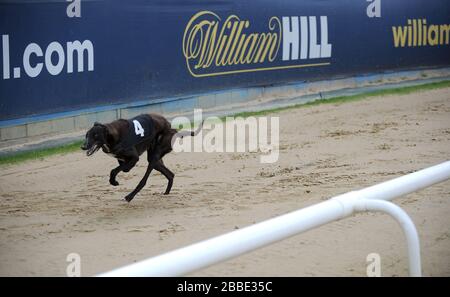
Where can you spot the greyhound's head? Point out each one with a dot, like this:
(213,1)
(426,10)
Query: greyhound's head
(96,137)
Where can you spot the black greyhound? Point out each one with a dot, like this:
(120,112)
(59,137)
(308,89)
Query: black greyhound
(126,140)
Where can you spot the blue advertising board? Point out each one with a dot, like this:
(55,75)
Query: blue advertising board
(67,55)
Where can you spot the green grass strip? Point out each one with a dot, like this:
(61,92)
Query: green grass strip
(351,98)
(40,153)
(68,148)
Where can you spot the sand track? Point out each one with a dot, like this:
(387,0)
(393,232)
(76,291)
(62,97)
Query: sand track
(64,204)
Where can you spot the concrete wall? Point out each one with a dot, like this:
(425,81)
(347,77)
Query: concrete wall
(82,119)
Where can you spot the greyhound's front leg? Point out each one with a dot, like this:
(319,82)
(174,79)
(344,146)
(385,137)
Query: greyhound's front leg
(124,166)
(113,174)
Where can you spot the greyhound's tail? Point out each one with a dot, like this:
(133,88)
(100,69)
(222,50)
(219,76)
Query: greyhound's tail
(182,134)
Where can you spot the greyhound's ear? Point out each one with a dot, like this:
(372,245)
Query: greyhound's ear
(97,124)
(112,136)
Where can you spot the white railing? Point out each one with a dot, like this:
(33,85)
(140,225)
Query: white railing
(227,246)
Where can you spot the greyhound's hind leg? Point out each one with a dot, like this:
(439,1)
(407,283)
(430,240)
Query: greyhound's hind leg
(152,159)
(159,166)
(141,184)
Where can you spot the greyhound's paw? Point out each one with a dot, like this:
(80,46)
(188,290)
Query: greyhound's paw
(113,182)
(129,197)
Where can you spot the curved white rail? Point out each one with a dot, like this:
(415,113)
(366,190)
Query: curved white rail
(223,247)
(412,237)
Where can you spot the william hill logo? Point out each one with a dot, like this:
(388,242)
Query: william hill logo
(213,46)
(419,33)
